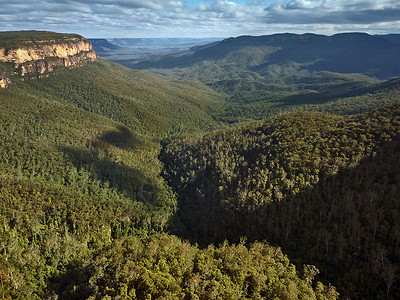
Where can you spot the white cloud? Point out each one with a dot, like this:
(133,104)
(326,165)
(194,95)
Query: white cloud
(335,5)
(332,5)
(149,4)
(172,18)
(333,11)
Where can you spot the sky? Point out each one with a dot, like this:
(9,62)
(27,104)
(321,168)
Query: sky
(200,18)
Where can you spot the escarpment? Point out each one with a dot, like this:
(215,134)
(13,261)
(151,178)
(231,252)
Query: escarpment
(35,55)
(4,81)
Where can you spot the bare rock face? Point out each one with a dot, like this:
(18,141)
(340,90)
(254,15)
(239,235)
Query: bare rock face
(4,81)
(36,58)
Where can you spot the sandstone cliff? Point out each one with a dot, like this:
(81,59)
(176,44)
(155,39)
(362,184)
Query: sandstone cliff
(4,81)
(41,57)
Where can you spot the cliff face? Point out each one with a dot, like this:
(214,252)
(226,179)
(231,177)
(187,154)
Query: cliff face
(37,58)
(4,81)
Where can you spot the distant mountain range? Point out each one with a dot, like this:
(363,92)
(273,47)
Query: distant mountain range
(162,43)
(144,48)
(264,75)
(372,55)
(101,45)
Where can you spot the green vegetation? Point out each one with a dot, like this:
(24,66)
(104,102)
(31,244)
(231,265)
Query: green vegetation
(253,96)
(83,205)
(343,99)
(58,243)
(163,267)
(99,165)
(144,102)
(71,178)
(322,187)
(15,39)
(265,75)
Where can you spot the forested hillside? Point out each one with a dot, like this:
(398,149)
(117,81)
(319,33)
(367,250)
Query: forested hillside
(119,184)
(83,206)
(144,102)
(322,187)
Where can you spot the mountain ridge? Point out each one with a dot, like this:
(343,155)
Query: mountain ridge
(264,75)
(360,44)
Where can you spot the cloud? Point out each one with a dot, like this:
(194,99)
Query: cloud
(332,12)
(149,4)
(229,9)
(175,18)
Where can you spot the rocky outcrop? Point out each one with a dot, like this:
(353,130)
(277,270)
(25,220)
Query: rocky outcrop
(38,58)
(4,81)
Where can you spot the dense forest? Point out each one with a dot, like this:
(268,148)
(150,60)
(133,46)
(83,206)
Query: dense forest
(322,187)
(119,184)
(85,210)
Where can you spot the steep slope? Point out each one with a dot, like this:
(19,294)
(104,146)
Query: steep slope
(83,205)
(322,187)
(71,182)
(145,102)
(110,51)
(100,45)
(97,129)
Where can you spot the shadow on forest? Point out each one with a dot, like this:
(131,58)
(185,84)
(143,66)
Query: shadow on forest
(347,224)
(71,285)
(129,181)
(123,138)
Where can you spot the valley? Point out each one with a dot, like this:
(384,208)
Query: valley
(138,49)
(249,168)
(265,75)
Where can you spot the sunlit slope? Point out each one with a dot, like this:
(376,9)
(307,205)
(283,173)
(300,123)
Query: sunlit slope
(71,181)
(96,130)
(62,145)
(142,101)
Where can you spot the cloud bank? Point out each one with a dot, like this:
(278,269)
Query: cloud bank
(199,18)
(338,12)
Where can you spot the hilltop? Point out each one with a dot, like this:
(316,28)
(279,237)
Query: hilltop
(19,39)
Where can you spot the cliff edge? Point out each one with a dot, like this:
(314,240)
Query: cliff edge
(38,53)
